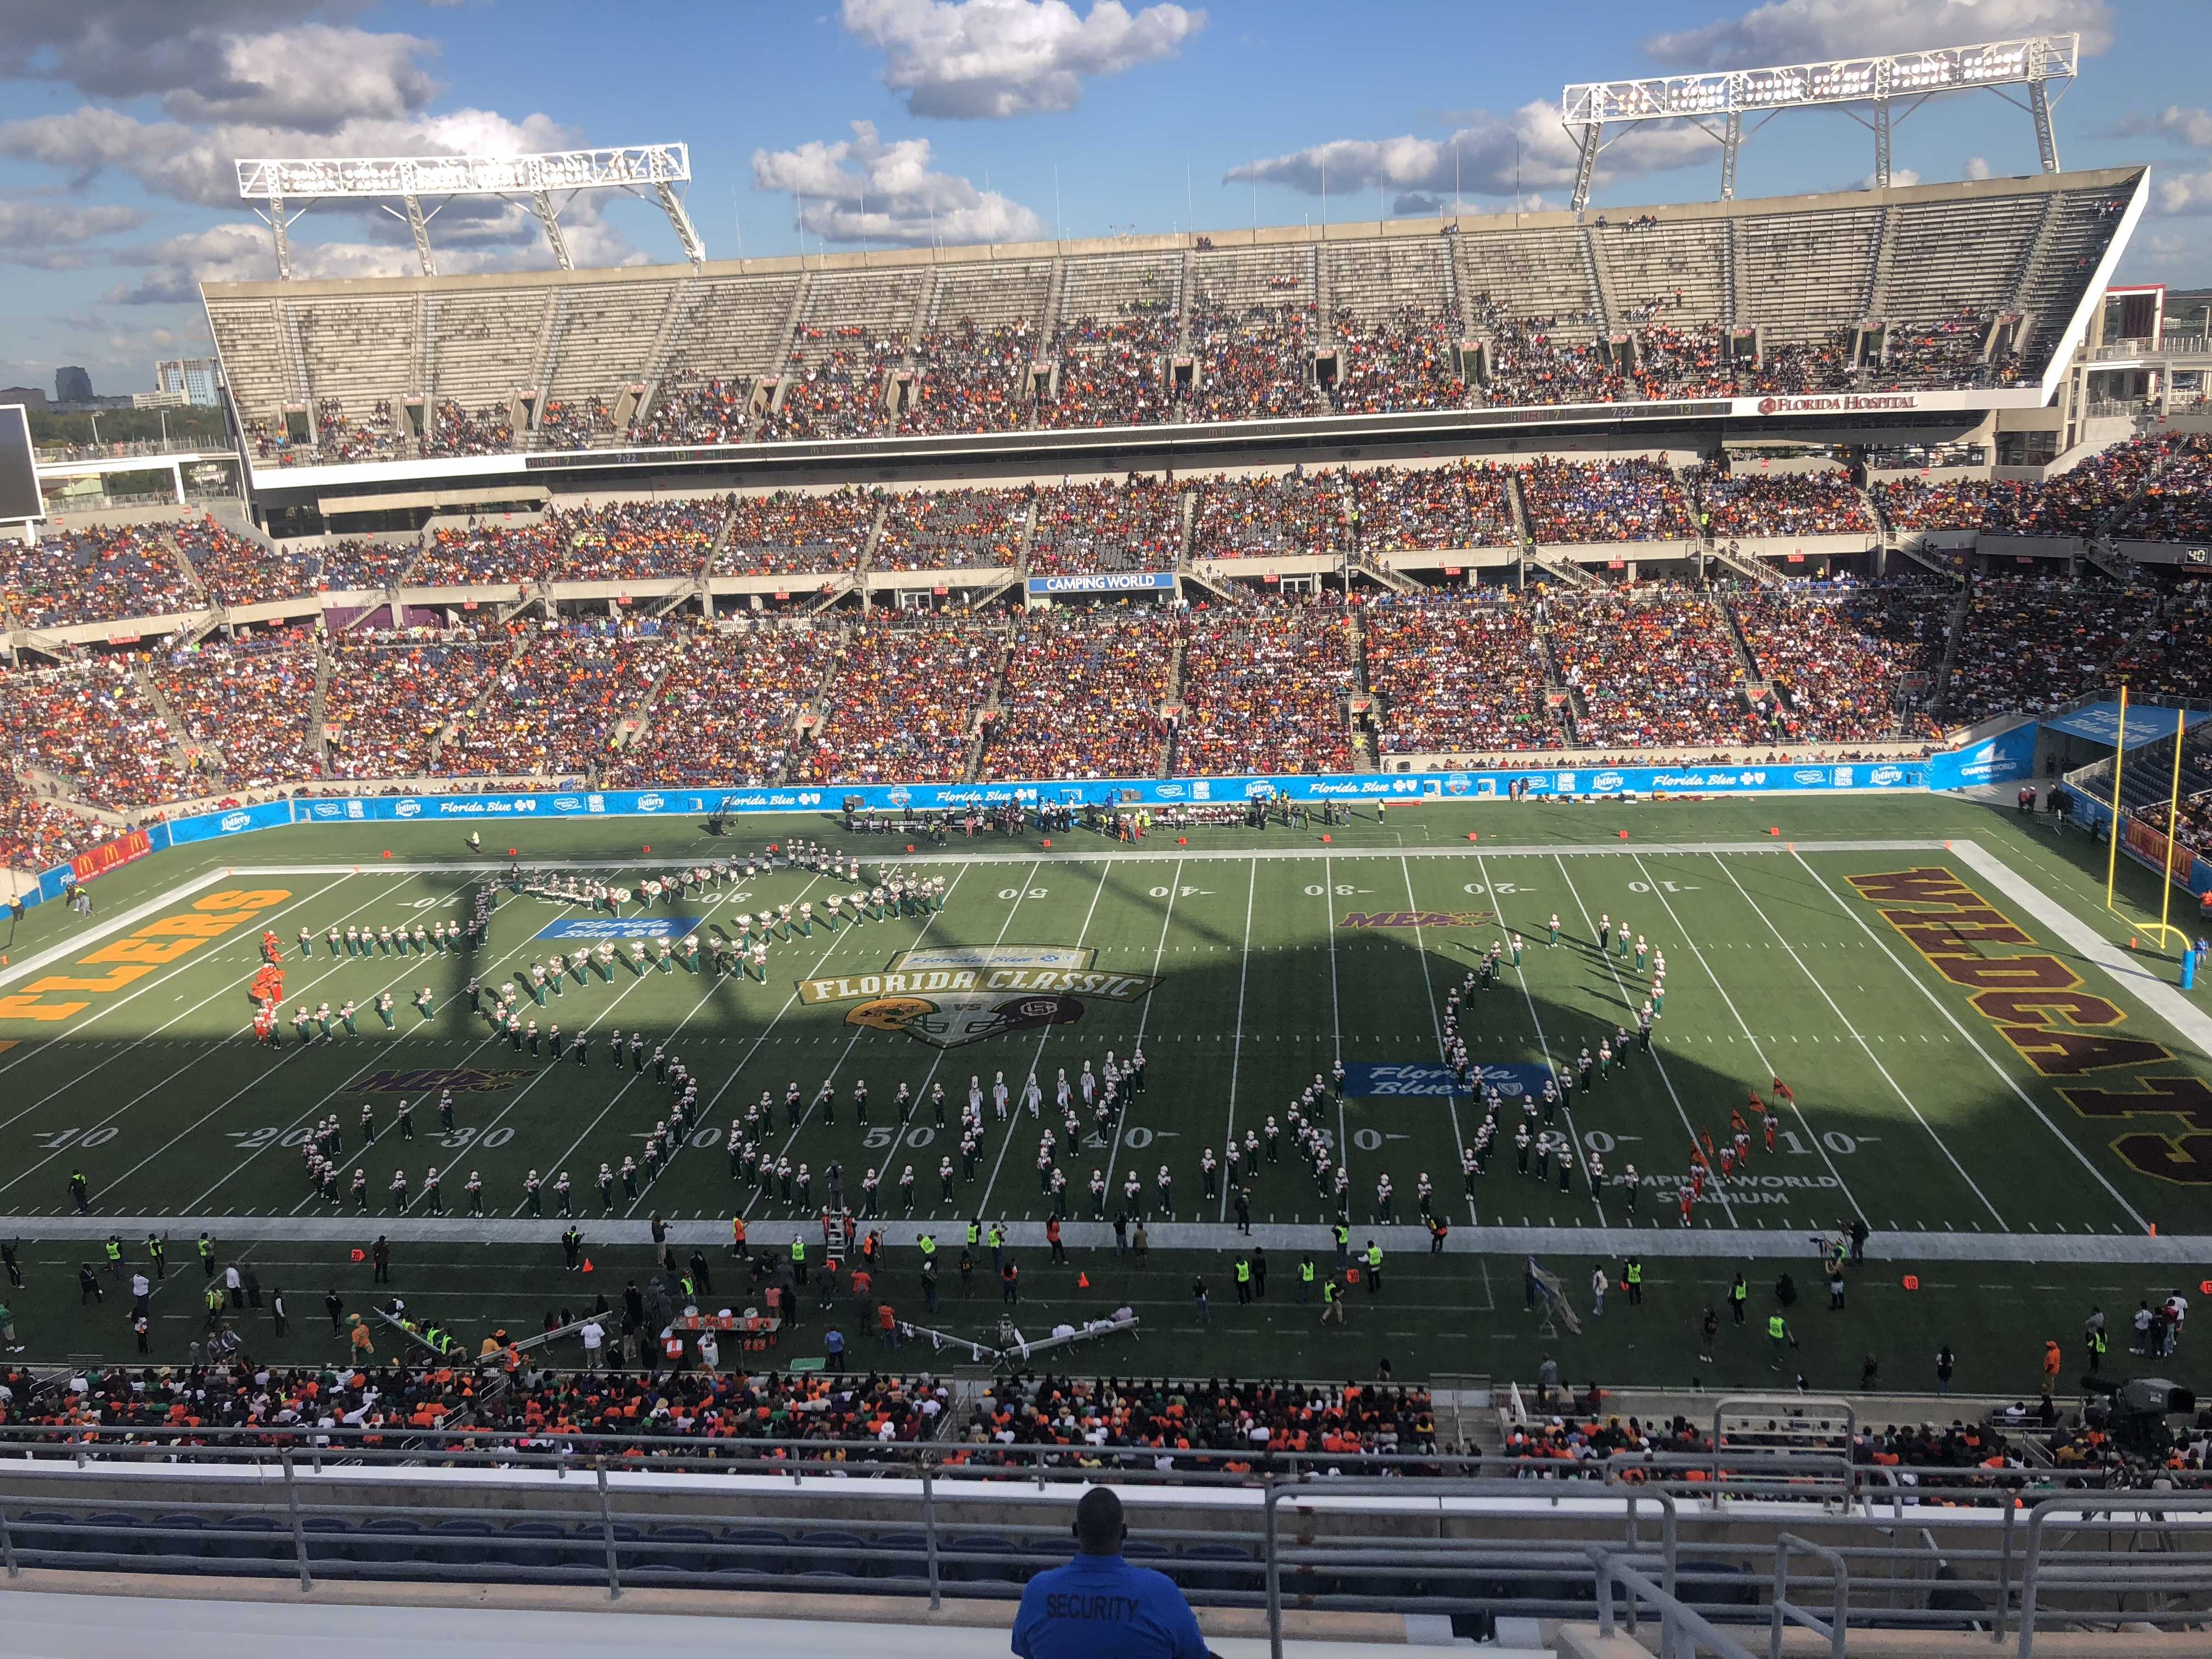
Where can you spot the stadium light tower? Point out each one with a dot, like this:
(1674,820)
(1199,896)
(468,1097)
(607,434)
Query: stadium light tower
(635,168)
(1726,96)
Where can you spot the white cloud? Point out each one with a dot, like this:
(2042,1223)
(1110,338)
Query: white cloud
(1789,31)
(313,79)
(1898,179)
(862,189)
(51,235)
(2183,192)
(2189,126)
(127,48)
(965,60)
(1492,155)
(1978,167)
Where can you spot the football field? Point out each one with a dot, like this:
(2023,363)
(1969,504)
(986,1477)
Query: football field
(1954,1062)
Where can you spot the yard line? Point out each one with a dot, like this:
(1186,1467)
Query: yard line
(834,1068)
(190,960)
(1942,1145)
(1657,1058)
(1436,1026)
(753,1197)
(1336,1014)
(1236,1055)
(1535,1019)
(316,1111)
(203,1051)
(1175,888)
(705,997)
(2010,1082)
(1105,874)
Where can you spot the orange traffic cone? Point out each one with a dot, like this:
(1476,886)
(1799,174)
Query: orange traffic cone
(1083,1281)
(588,1268)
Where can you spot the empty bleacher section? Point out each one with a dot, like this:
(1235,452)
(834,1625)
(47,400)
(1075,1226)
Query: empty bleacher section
(1673,270)
(1803,275)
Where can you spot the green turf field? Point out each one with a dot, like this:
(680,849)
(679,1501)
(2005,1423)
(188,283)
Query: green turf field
(1968,1062)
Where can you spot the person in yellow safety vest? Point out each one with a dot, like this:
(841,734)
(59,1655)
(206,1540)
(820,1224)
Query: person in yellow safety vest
(1777,1333)
(1305,1280)
(799,1258)
(2095,1340)
(927,1245)
(1631,1277)
(214,1299)
(1243,1281)
(1374,1269)
(1343,1235)
(1332,1300)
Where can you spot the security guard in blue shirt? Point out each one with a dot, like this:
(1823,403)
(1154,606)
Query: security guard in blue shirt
(1099,1606)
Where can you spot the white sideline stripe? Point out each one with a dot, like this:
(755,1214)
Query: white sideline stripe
(1236,1049)
(2181,1250)
(2130,972)
(2013,888)
(121,922)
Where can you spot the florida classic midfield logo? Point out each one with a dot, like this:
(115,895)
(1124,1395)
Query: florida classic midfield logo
(948,998)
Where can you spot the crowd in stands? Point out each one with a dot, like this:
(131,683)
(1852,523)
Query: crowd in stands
(35,833)
(901,704)
(390,694)
(353,564)
(1654,668)
(1947,352)
(1458,675)
(725,711)
(786,532)
(1263,691)
(1245,1421)
(570,425)
(1838,659)
(1632,499)
(1082,697)
(835,387)
(557,709)
(249,701)
(1410,360)
(90,724)
(458,431)
(955,529)
(485,552)
(1779,503)
(2034,642)
(2076,503)
(1952,503)
(2193,823)
(1283,515)
(1110,370)
(693,408)
(1460,505)
(2176,504)
(2167,656)
(341,439)
(1258,366)
(1131,524)
(1579,1436)
(70,576)
(971,379)
(692,1413)
(639,541)
(234,570)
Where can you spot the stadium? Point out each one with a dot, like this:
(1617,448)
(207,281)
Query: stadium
(637,985)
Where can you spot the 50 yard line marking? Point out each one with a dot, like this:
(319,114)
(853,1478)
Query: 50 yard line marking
(1236,1051)
(1436,1025)
(1942,1145)
(1013,1117)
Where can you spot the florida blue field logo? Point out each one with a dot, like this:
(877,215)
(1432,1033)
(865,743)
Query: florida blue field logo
(661,926)
(1378,1080)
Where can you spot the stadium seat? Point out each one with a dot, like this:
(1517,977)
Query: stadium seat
(273,1548)
(900,1555)
(1219,1579)
(463,1541)
(662,1548)
(389,1539)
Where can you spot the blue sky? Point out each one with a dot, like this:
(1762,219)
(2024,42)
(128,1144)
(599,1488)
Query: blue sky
(850,123)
